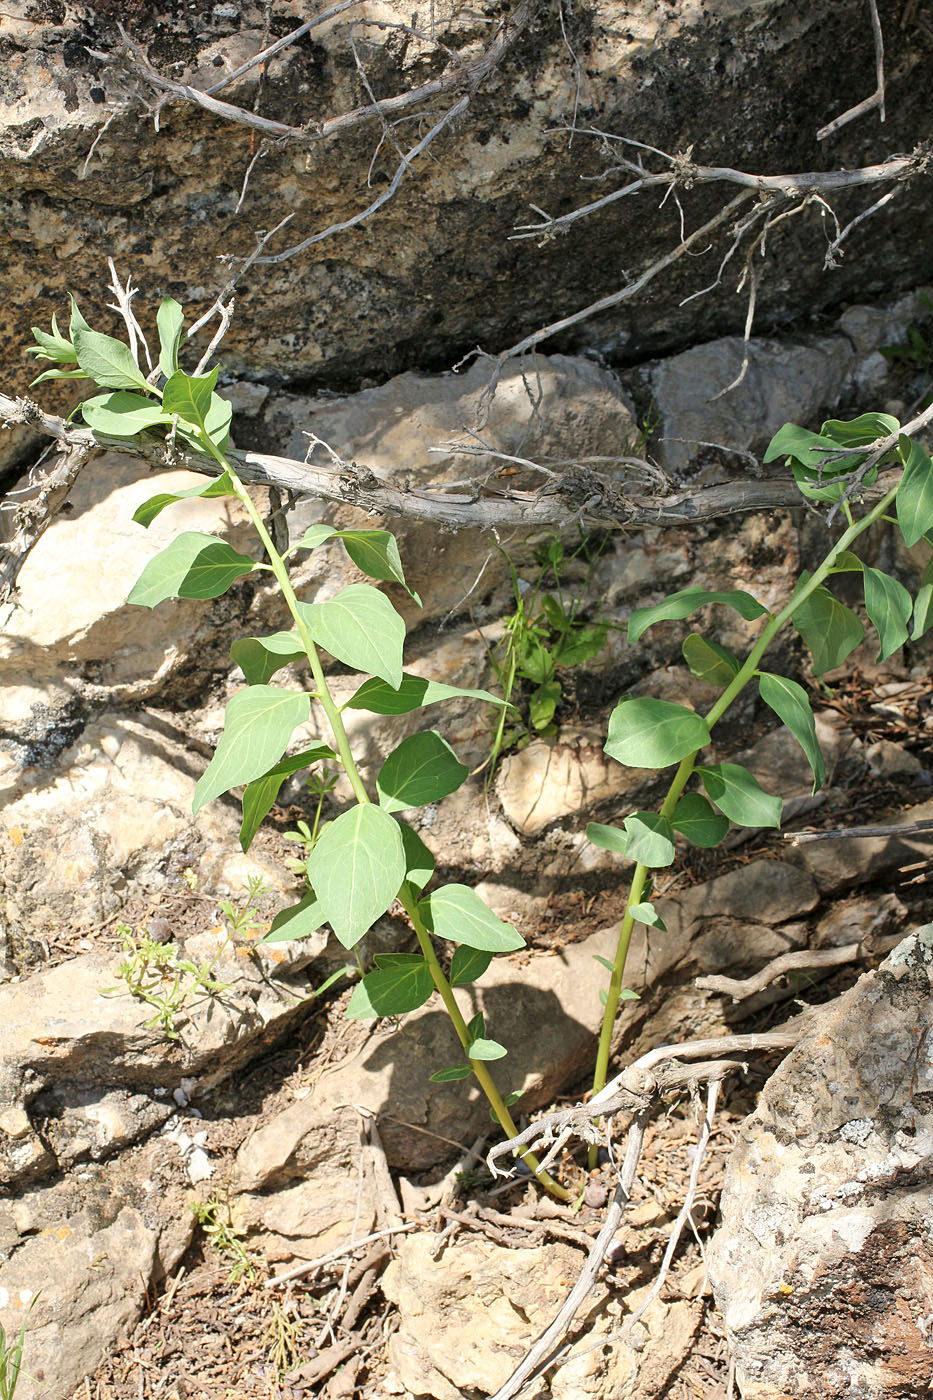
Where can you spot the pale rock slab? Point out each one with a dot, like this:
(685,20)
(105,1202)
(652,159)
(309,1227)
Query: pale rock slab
(566,777)
(822,1265)
(468,1317)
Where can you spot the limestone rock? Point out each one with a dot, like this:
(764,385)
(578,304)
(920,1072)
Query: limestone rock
(822,1265)
(468,1316)
(629,1370)
(564,778)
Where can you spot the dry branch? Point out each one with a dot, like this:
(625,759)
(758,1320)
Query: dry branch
(805,960)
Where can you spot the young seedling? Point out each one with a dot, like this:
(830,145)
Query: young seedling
(365,859)
(646,733)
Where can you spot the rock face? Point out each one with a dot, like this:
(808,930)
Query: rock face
(822,1265)
(434,272)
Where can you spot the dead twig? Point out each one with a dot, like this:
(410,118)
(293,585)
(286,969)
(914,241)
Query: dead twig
(806,959)
(877,97)
(48,492)
(844,833)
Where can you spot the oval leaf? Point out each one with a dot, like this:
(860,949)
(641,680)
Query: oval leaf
(375,553)
(258,724)
(791,704)
(424,768)
(316,535)
(356,869)
(647,914)
(923,607)
(654,733)
(380,698)
(608,838)
(361,628)
(447,1076)
(189,396)
(915,495)
(260,657)
(107,361)
(457,913)
(391,991)
(170,321)
(192,566)
(829,629)
(122,415)
(467,964)
(889,606)
(738,794)
(694,818)
(688,600)
(708,661)
(261,794)
(298,921)
(651,839)
(484,1049)
(147,512)
(419,862)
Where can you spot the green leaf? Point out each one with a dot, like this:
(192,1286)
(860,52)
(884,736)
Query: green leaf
(915,495)
(847,563)
(212,487)
(260,657)
(647,914)
(801,445)
(627,994)
(694,818)
(297,921)
(52,347)
(170,320)
(77,321)
(457,913)
(860,431)
(422,769)
(889,606)
(543,703)
(653,733)
(689,600)
(419,862)
(580,645)
(380,698)
(316,535)
(829,629)
(189,396)
(483,1049)
(258,724)
(122,415)
(106,360)
(467,964)
(357,868)
(192,566)
(375,553)
(446,1076)
(607,838)
(361,628)
(791,704)
(261,794)
(651,839)
(391,991)
(604,962)
(738,794)
(58,374)
(476,1027)
(708,661)
(923,607)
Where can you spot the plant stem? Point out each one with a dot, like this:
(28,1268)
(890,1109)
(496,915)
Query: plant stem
(342,744)
(685,769)
(485,1079)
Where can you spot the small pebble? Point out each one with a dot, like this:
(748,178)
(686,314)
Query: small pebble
(595,1195)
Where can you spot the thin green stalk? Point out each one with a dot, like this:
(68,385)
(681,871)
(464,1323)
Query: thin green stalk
(342,743)
(479,1068)
(685,769)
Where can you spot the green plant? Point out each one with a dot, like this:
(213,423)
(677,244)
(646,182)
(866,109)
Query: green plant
(157,974)
(829,466)
(367,857)
(544,635)
(11,1356)
(216,1220)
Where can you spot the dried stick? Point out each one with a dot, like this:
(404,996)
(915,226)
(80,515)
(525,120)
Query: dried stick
(877,97)
(545,1349)
(280,44)
(806,959)
(844,833)
(312,1266)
